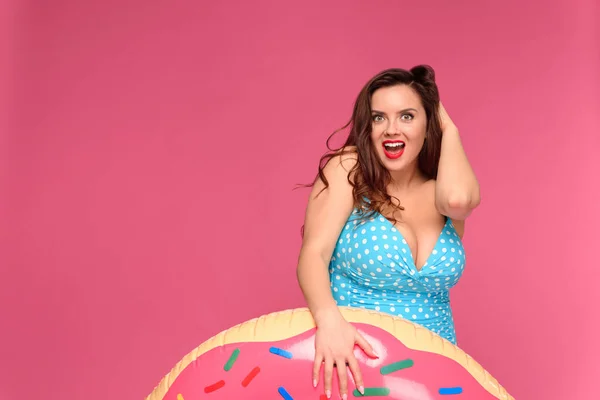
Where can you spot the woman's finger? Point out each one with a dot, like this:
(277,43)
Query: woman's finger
(356,374)
(328,376)
(317,368)
(342,377)
(366,346)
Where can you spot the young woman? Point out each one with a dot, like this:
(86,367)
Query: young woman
(385,219)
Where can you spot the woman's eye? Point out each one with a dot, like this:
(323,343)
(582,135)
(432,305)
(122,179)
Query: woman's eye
(407,117)
(377,118)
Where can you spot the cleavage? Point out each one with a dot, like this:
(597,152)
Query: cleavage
(420,243)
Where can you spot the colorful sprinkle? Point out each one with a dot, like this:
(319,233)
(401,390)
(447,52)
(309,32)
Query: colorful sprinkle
(232,359)
(372,392)
(280,352)
(323,397)
(284,394)
(388,369)
(179,396)
(250,376)
(452,390)
(214,387)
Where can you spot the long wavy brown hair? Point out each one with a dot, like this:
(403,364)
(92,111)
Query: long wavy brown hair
(369,177)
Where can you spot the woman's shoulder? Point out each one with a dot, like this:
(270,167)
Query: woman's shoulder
(347,153)
(345,159)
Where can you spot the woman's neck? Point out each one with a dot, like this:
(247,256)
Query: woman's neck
(406,179)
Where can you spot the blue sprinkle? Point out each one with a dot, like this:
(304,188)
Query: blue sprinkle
(284,394)
(280,352)
(454,390)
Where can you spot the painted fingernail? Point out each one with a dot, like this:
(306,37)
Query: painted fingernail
(344,396)
(314,383)
(361,389)
(328,394)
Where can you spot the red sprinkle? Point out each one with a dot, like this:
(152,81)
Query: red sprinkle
(250,376)
(323,397)
(214,387)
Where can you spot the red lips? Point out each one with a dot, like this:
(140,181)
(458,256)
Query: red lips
(393,149)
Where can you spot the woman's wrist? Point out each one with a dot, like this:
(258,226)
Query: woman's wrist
(326,314)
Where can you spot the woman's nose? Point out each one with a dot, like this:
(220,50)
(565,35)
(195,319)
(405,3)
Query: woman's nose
(393,128)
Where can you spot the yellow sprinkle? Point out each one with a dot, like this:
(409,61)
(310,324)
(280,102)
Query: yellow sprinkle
(179,397)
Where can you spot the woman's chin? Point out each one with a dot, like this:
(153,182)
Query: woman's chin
(400,164)
(393,164)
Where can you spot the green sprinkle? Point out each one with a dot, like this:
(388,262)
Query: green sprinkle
(372,392)
(388,369)
(232,359)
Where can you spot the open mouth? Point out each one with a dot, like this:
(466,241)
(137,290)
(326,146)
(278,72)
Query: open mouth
(393,148)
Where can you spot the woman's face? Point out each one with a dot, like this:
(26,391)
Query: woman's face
(399,123)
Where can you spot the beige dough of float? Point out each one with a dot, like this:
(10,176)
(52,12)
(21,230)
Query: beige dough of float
(289,323)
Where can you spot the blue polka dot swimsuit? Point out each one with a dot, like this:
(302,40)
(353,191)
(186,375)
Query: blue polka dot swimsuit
(372,267)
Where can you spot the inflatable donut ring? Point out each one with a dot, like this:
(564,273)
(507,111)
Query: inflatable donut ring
(272,357)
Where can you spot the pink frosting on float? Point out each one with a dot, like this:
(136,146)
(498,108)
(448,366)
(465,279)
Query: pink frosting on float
(270,376)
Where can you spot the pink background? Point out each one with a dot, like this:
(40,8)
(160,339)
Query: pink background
(150,175)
